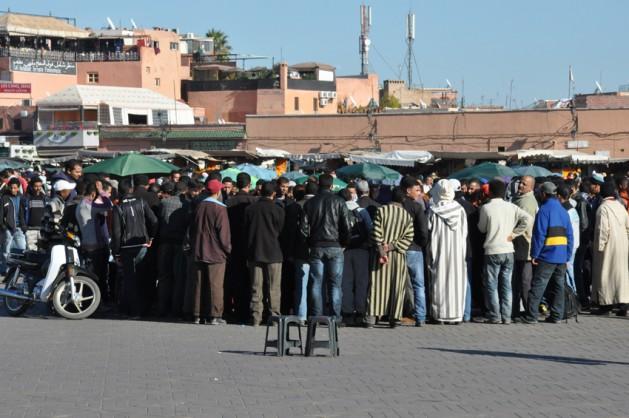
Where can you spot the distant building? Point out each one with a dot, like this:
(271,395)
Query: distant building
(71,117)
(420,98)
(217,87)
(612,100)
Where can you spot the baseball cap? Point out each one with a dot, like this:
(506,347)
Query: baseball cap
(63,185)
(456,185)
(549,188)
(362,186)
(214,186)
(598,178)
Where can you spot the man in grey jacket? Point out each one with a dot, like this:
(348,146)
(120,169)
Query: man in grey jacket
(523,269)
(502,222)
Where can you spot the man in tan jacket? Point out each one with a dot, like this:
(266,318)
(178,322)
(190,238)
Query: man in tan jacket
(523,269)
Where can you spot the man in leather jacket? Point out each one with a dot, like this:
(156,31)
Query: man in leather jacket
(326,226)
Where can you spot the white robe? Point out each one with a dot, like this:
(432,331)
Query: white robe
(447,222)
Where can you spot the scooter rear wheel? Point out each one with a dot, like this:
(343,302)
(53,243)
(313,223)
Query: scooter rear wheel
(14,306)
(87,302)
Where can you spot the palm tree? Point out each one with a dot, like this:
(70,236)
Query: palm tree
(221,43)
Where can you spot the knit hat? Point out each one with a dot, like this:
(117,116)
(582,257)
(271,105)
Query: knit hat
(446,191)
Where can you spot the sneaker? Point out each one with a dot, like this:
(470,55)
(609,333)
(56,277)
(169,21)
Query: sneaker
(492,321)
(528,320)
(506,321)
(196,320)
(217,321)
(622,312)
(420,323)
(551,320)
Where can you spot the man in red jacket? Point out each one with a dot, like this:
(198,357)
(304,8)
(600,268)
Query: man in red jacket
(211,244)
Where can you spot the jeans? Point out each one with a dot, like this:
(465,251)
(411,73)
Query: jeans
(326,263)
(570,281)
(467,313)
(15,241)
(302,271)
(521,284)
(498,270)
(415,263)
(547,274)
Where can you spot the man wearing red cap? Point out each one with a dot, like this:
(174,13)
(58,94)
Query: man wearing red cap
(211,244)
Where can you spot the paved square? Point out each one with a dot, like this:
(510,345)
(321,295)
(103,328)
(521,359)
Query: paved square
(116,368)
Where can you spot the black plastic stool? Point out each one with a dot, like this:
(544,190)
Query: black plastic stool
(332,343)
(283,343)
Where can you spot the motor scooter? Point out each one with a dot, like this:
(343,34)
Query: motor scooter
(56,278)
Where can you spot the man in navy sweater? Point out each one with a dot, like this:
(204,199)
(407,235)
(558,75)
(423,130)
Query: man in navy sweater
(551,247)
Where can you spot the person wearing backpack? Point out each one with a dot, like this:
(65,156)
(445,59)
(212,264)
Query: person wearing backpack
(133,227)
(356,263)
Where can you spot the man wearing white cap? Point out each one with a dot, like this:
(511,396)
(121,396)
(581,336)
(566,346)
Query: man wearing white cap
(51,221)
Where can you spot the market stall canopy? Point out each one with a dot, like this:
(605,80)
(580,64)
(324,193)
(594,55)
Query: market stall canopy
(484,170)
(368,171)
(28,25)
(233,172)
(394,158)
(337,184)
(131,164)
(272,153)
(560,155)
(185,153)
(531,170)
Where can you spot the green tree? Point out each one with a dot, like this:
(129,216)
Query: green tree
(391,102)
(221,43)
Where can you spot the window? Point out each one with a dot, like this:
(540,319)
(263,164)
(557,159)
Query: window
(158,82)
(27,102)
(315,104)
(17,124)
(296,103)
(137,119)
(148,70)
(92,78)
(1,124)
(174,46)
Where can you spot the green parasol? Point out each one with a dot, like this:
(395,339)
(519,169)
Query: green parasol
(368,171)
(131,164)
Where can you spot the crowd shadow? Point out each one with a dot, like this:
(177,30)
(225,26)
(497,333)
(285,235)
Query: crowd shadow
(526,356)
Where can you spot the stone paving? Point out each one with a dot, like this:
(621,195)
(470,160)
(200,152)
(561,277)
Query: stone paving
(117,368)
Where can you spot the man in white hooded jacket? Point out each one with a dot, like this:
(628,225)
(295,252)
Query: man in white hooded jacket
(447,223)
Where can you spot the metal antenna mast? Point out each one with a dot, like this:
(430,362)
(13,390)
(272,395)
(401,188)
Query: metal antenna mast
(410,39)
(364,42)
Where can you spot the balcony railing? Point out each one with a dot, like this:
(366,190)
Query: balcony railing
(67,126)
(29,53)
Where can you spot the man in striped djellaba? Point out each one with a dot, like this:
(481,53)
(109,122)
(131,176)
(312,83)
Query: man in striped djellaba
(392,235)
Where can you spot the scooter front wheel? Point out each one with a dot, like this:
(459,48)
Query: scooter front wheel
(15,306)
(85,302)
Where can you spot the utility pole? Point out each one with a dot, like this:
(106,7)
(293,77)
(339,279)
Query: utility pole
(364,41)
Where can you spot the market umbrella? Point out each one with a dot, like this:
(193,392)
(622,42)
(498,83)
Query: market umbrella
(486,170)
(6,163)
(233,173)
(256,171)
(368,171)
(293,175)
(337,184)
(131,164)
(532,170)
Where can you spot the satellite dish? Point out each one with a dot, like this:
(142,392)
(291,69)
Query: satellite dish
(133,25)
(111,24)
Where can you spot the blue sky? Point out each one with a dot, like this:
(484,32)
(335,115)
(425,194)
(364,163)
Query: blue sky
(487,43)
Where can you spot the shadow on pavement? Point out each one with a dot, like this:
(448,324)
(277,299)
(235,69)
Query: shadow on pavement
(541,357)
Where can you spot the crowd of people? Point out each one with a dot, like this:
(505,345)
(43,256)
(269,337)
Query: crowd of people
(207,249)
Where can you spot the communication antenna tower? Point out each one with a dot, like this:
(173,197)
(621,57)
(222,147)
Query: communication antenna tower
(410,39)
(364,41)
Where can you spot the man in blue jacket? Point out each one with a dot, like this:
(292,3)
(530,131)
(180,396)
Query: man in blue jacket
(551,247)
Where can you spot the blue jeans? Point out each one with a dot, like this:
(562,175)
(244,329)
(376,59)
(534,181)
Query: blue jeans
(498,296)
(302,271)
(570,281)
(415,263)
(467,313)
(15,241)
(554,276)
(326,262)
